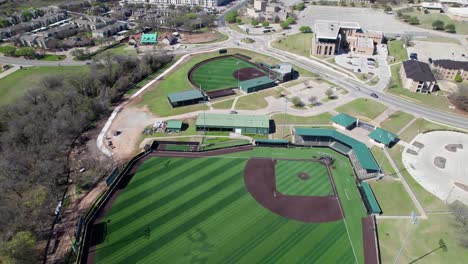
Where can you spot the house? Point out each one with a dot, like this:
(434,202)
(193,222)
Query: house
(449,69)
(417,77)
(109,30)
(167,38)
(332,37)
(149,38)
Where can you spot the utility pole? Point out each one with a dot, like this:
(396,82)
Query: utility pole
(414,220)
(68,232)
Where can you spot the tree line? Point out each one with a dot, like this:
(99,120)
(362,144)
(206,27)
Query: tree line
(35,136)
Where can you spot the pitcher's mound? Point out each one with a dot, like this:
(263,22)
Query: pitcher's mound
(303,176)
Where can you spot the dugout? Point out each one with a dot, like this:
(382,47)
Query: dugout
(271,142)
(174,126)
(241,124)
(369,199)
(256,84)
(186,98)
(344,121)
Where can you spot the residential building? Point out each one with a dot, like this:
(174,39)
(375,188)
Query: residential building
(448,69)
(109,30)
(417,77)
(333,37)
(202,3)
(260,5)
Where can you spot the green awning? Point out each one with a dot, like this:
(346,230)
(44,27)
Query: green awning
(174,124)
(344,120)
(374,205)
(149,38)
(383,136)
(272,141)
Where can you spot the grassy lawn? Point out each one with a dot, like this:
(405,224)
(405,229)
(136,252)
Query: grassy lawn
(223,105)
(178,210)
(380,157)
(424,238)
(421,125)
(299,44)
(426,20)
(217,143)
(392,197)
(53,57)
(254,101)
(439,39)
(396,49)
(121,49)
(14,85)
(289,183)
(362,107)
(396,121)
(322,119)
(218,74)
(429,100)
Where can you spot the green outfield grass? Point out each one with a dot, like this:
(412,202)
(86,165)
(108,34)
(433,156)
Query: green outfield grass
(181,210)
(218,74)
(288,181)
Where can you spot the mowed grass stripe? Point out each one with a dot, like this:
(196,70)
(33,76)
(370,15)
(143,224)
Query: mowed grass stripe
(288,181)
(174,203)
(155,201)
(256,240)
(333,237)
(177,231)
(292,240)
(166,222)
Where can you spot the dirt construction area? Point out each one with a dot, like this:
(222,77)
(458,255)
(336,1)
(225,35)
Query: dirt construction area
(259,177)
(187,38)
(437,162)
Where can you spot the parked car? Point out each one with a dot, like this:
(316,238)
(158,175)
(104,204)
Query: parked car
(374,95)
(370,59)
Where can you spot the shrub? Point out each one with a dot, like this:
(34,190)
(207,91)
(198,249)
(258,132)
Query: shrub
(284,24)
(297,101)
(305,29)
(458,78)
(26,52)
(300,6)
(8,50)
(438,25)
(291,20)
(254,22)
(265,23)
(450,28)
(231,17)
(413,20)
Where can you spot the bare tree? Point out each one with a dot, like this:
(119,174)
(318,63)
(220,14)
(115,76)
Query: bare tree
(329,93)
(407,39)
(313,100)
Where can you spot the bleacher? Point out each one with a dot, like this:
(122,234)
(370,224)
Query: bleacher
(342,148)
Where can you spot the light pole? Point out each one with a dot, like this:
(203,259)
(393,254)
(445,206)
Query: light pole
(414,219)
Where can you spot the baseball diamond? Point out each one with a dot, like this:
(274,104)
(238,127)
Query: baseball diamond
(195,207)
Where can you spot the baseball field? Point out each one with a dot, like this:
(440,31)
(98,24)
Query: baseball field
(197,210)
(221,73)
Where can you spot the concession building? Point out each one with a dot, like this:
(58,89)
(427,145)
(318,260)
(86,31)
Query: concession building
(241,124)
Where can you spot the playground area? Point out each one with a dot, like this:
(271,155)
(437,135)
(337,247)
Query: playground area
(437,161)
(195,207)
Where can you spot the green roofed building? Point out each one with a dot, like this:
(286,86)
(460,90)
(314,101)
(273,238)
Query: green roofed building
(173,126)
(242,124)
(344,121)
(256,84)
(186,98)
(149,38)
(358,153)
(370,201)
(382,136)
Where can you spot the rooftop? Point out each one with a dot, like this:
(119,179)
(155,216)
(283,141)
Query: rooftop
(418,71)
(451,64)
(325,29)
(374,205)
(284,68)
(363,154)
(383,136)
(344,120)
(244,85)
(149,38)
(232,120)
(174,124)
(185,96)
(365,42)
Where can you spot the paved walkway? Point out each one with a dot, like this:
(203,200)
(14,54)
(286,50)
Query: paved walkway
(419,207)
(384,115)
(9,71)
(406,126)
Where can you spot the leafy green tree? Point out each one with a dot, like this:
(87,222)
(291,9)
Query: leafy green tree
(291,20)
(438,25)
(297,101)
(8,50)
(450,28)
(265,23)
(4,23)
(231,17)
(413,20)
(26,52)
(284,24)
(238,20)
(305,29)
(300,6)
(387,9)
(19,249)
(458,78)
(254,22)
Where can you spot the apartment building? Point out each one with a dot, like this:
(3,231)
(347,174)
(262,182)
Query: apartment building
(448,69)
(202,3)
(417,77)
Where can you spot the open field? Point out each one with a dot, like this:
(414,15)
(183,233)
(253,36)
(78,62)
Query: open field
(289,183)
(218,74)
(322,119)
(14,85)
(176,210)
(362,108)
(392,197)
(254,101)
(430,100)
(424,237)
(299,43)
(53,57)
(421,125)
(396,121)
(396,49)
(223,105)
(383,161)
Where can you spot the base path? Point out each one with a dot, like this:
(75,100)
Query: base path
(259,177)
(247,74)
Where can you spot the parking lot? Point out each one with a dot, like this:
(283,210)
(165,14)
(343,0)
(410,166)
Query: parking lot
(435,50)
